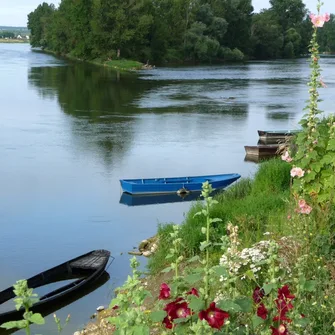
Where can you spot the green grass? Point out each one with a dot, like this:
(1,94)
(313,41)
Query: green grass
(124,64)
(256,206)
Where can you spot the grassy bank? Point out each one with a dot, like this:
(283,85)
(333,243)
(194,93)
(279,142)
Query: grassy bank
(120,65)
(256,206)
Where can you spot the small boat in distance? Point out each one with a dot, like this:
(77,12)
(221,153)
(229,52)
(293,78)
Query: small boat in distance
(88,268)
(276,134)
(176,184)
(262,150)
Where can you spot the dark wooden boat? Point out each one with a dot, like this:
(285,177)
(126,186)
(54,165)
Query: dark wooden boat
(86,269)
(262,150)
(267,135)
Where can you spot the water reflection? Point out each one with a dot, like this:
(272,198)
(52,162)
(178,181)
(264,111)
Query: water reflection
(154,199)
(46,310)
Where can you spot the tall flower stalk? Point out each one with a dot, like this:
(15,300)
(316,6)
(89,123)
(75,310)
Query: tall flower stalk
(311,142)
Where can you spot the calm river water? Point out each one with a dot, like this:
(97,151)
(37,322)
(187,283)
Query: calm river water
(69,132)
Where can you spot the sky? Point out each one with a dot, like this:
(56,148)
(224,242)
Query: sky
(14,12)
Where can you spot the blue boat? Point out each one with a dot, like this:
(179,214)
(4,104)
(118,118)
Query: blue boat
(176,184)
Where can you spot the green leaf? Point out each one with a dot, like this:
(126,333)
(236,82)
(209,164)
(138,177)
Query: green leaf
(168,269)
(331,145)
(303,322)
(196,304)
(215,220)
(309,285)
(141,330)
(169,256)
(250,275)
(268,288)
(14,324)
(229,306)
(37,318)
(193,278)
(157,316)
(193,259)
(220,271)
(256,321)
(180,320)
(204,245)
(245,303)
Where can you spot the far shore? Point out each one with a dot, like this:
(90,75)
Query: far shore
(12,40)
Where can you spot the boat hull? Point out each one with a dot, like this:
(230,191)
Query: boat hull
(262,150)
(177,184)
(88,268)
(268,135)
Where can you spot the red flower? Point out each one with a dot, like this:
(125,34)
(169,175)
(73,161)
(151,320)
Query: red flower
(164,292)
(284,293)
(167,322)
(214,316)
(115,307)
(262,312)
(258,295)
(281,330)
(175,310)
(193,291)
(283,303)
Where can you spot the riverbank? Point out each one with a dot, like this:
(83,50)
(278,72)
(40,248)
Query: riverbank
(3,40)
(117,64)
(259,239)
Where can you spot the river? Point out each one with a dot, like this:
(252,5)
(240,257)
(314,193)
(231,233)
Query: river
(69,132)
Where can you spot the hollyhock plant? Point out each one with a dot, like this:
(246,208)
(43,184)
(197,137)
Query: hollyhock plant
(165,292)
(175,310)
(284,293)
(286,157)
(319,20)
(214,316)
(297,172)
(262,312)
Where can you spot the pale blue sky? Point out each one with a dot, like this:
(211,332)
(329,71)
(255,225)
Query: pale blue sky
(14,12)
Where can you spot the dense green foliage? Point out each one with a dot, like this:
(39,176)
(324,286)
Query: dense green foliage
(174,30)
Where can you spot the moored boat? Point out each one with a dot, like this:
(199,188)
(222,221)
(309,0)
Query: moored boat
(262,150)
(86,269)
(176,184)
(276,134)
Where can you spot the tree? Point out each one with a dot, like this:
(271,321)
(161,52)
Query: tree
(38,22)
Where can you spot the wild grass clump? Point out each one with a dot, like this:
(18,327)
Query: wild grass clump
(254,205)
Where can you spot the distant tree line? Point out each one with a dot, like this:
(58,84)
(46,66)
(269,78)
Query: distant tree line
(175,30)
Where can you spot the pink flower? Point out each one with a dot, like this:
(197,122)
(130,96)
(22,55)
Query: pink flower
(286,157)
(303,207)
(164,292)
(323,83)
(319,20)
(214,316)
(297,172)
